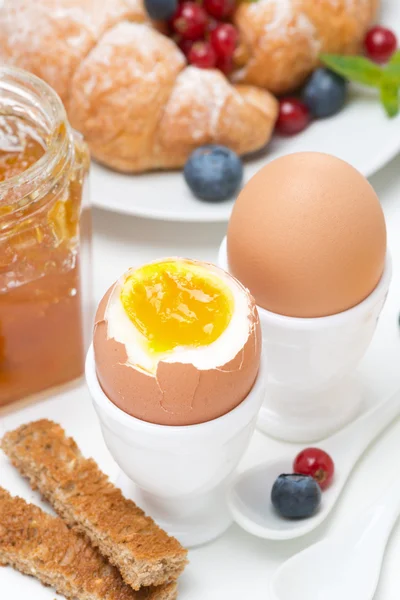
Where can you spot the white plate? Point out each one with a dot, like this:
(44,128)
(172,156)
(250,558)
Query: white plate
(361,134)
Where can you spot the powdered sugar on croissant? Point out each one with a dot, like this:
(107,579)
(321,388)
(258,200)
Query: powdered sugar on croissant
(142,108)
(204,108)
(51,37)
(119,93)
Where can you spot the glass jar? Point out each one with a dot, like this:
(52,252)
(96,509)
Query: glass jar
(45,303)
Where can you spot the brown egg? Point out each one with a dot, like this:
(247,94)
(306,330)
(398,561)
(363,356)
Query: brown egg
(307,236)
(187,385)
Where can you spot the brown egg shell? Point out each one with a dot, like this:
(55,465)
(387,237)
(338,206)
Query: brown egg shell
(307,236)
(179,394)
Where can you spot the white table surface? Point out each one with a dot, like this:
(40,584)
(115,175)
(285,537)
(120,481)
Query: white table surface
(238,565)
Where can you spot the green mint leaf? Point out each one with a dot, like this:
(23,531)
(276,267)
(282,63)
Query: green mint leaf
(392,74)
(392,69)
(354,68)
(389,94)
(395,60)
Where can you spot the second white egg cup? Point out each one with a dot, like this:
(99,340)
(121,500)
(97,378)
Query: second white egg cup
(310,366)
(178,475)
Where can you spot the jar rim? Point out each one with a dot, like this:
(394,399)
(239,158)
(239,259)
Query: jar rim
(30,85)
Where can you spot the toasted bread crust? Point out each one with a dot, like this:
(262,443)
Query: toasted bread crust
(38,544)
(87,501)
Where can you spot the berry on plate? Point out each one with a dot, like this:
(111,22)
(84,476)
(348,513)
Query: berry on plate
(220,9)
(316,463)
(296,496)
(225,64)
(161,10)
(293,117)
(211,25)
(224,39)
(202,55)
(213,173)
(189,21)
(325,93)
(380,44)
(185,46)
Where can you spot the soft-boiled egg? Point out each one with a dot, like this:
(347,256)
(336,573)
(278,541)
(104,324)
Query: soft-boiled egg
(177,342)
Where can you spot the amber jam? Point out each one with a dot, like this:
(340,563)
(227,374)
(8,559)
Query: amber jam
(44,229)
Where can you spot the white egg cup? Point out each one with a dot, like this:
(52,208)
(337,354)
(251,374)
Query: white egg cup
(178,475)
(311,388)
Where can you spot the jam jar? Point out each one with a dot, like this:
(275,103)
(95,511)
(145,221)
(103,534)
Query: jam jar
(45,303)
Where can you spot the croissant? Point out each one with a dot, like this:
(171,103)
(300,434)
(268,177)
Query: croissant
(282,39)
(126,86)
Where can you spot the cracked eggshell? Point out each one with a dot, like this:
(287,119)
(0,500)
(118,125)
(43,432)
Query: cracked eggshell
(178,394)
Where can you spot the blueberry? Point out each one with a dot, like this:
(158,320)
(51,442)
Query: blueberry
(161,10)
(296,496)
(325,93)
(213,173)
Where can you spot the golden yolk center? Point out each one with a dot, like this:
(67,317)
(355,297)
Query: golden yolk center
(177,304)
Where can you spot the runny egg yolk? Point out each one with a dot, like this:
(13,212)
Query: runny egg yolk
(177,304)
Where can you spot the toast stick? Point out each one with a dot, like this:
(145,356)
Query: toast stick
(87,501)
(35,543)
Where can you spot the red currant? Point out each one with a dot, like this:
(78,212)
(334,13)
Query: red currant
(220,9)
(211,25)
(380,43)
(189,21)
(293,116)
(202,55)
(185,46)
(225,64)
(317,463)
(224,39)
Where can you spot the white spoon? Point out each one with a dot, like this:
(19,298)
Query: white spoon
(249,495)
(346,565)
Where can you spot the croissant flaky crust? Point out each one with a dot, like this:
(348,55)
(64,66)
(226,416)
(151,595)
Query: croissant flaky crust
(128,89)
